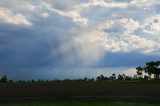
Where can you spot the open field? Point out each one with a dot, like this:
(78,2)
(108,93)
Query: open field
(83,91)
(83,104)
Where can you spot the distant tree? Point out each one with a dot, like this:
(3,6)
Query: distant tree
(100,78)
(120,77)
(21,81)
(140,72)
(113,77)
(4,79)
(29,81)
(124,76)
(128,78)
(146,77)
(47,80)
(85,79)
(91,79)
(10,81)
(39,80)
(106,78)
(32,81)
(65,80)
(135,77)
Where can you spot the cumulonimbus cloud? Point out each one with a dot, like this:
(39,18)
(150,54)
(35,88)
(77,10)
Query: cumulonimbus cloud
(53,34)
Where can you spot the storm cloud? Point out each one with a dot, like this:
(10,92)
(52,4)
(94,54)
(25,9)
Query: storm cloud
(55,38)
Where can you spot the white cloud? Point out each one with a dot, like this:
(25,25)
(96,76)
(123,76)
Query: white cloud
(72,14)
(7,16)
(102,3)
(126,25)
(29,6)
(144,3)
(125,39)
(152,25)
(124,28)
(130,25)
(45,15)
(113,45)
(142,45)
(130,72)
(92,44)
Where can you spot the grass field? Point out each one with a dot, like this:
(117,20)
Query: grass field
(84,104)
(83,91)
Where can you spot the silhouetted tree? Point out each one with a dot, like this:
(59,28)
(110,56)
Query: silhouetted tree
(124,76)
(85,79)
(100,78)
(120,77)
(106,78)
(140,72)
(135,77)
(91,79)
(128,78)
(146,77)
(10,81)
(153,68)
(4,79)
(32,81)
(113,77)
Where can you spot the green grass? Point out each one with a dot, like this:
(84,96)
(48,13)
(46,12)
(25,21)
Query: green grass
(83,104)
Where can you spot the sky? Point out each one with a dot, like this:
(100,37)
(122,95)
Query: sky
(58,39)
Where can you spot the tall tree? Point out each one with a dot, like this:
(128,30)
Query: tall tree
(153,67)
(139,71)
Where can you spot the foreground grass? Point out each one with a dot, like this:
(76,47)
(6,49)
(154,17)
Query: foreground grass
(83,104)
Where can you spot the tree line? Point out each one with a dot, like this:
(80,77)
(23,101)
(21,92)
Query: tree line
(142,73)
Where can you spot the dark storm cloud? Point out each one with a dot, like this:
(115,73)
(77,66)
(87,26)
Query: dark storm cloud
(122,59)
(31,47)
(61,39)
